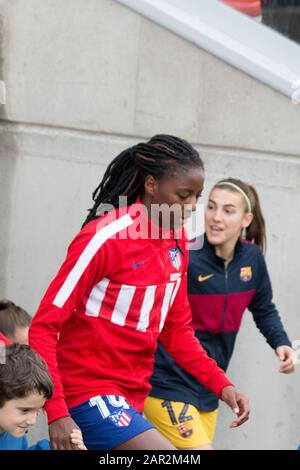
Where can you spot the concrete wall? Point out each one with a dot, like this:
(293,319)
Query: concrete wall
(85,79)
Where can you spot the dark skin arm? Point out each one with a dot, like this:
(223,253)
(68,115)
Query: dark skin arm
(238,403)
(60,432)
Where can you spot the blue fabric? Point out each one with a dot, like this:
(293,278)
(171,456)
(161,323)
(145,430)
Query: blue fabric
(8,442)
(41,445)
(107,421)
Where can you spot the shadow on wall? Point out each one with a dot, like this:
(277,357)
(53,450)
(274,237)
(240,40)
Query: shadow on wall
(8,155)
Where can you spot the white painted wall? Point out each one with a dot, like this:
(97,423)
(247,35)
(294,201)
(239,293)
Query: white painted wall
(85,79)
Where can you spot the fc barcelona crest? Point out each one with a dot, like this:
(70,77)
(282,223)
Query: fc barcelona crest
(246,274)
(175,257)
(185,430)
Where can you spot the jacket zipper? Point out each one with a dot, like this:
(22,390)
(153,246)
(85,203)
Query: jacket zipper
(226,298)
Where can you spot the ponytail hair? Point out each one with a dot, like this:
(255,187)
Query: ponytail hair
(256,231)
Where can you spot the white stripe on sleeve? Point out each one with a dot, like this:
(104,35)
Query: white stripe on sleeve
(87,255)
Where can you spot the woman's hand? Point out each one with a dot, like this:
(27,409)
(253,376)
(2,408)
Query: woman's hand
(286,355)
(238,403)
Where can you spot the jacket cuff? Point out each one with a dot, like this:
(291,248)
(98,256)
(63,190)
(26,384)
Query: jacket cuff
(56,408)
(218,383)
(282,342)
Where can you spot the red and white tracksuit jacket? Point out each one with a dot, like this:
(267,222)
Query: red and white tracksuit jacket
(4,341)
(98,323)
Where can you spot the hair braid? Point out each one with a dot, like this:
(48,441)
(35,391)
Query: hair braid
(125,175)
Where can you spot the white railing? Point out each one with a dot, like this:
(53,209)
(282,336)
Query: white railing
(233,37)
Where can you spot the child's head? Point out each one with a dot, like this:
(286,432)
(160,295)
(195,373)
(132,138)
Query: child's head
(14,322)
(25,385)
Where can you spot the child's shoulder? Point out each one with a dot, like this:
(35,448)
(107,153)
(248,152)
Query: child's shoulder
(9,442)
(41,445)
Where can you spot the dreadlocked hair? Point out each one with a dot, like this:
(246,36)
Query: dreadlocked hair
(256,231)
(125,175)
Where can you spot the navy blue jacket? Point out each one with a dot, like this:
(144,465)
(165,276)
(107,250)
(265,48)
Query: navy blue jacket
(218,299)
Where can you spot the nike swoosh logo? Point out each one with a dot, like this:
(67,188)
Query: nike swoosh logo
(204,278)
(137,265)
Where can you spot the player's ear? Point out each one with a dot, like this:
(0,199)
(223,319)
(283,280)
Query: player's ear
(247,219)
(150,185)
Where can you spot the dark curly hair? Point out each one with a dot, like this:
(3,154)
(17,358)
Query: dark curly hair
(125,175)
(22,373)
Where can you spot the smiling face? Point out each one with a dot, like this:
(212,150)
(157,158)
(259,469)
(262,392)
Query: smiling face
(19,413)
(225,218)
(180,190)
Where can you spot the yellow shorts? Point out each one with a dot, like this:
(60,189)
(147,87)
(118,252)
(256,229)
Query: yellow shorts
(182,424)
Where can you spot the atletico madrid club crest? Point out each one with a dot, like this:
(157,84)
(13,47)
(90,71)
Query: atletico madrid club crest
(246,274)
(121,418)
(175,257)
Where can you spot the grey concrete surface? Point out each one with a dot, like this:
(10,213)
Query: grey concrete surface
(85,79)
